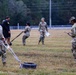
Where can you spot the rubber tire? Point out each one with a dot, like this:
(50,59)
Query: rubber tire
(29,65)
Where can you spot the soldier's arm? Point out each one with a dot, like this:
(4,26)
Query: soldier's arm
(1,33)
(29,28)
(46,27)
(39,26)
(73,32)
(69,33)
(26,28)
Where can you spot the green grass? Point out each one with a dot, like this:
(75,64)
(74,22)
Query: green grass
(53,58)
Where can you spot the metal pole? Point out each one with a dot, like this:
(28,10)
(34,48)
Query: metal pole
(50,14)
(18,26)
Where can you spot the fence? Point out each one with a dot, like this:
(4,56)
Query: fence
(36,27)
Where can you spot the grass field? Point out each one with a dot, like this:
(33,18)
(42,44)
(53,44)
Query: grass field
(53,58)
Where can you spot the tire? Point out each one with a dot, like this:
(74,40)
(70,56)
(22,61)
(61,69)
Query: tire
(29,65)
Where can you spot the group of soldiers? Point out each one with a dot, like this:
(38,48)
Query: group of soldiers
(42,29)
(5,35)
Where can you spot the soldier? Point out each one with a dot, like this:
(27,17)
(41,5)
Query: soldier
(42,29)
(2,48)
(6,29)
(73,35)
(26,33)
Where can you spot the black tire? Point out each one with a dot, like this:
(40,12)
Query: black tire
(29,65)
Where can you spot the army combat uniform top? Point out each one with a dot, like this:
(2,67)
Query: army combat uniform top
(6,29)
(26,34)
(2,48)
(73,34)
(42,29)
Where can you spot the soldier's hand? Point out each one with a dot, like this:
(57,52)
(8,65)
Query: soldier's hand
(8,47)
(68,33)
(3,39)
(9,32)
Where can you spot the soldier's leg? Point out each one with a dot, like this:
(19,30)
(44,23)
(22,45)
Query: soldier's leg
(40,39)
(24,39)
(4,58)
(74,49)
(43,40)
(3,54)
(43,37)
(0,53)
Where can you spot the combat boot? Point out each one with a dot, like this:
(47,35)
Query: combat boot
(4,63)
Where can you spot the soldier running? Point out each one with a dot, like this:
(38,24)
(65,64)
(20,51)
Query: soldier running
(42,29)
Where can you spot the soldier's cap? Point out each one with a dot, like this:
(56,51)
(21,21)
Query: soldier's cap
(28,23)
(71,19)
(7,17)
(42,18)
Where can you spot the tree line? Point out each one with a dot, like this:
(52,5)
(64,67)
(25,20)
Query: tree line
(22,11)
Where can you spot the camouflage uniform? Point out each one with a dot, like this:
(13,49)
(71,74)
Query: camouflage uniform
(73,34)
(2,48)
(42,29)
(26,34)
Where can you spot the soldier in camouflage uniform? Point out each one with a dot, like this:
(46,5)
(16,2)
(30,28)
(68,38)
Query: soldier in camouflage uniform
(42,29)
(26,33)
(2,48)
(73,35)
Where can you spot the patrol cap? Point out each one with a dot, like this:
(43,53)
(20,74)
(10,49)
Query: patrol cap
(7,17)
(42,18)
(71,19)
(28,23)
